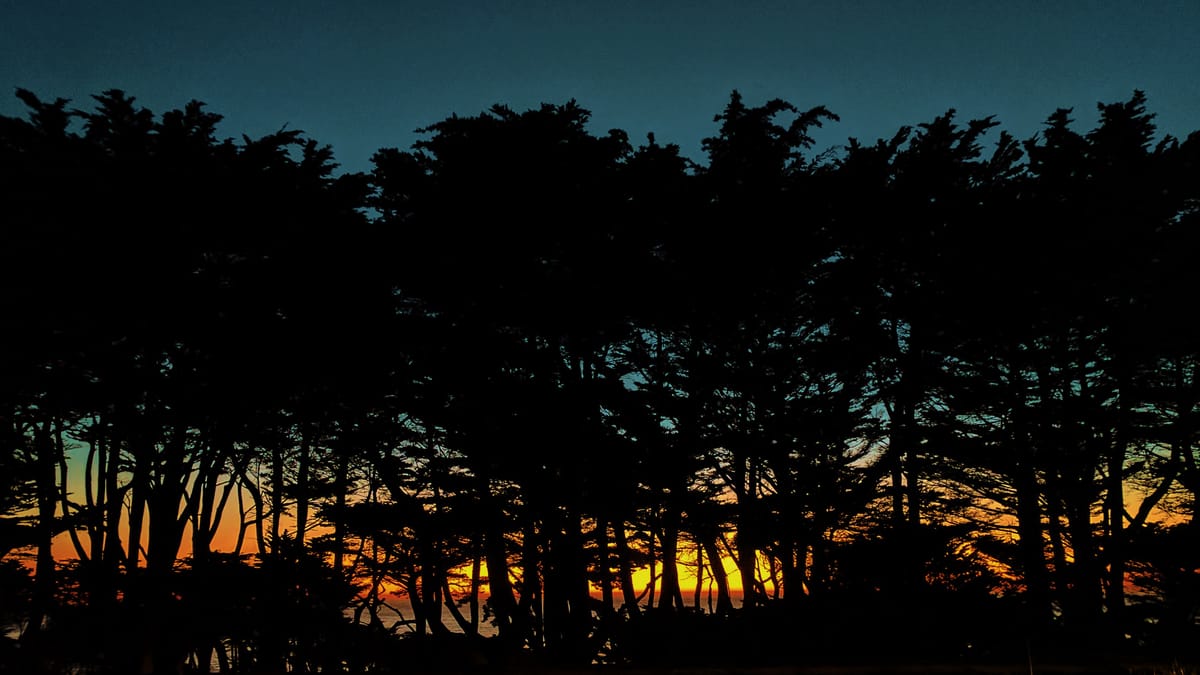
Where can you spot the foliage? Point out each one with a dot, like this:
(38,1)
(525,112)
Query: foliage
(934,390)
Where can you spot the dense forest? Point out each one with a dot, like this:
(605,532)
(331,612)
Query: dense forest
(934,397)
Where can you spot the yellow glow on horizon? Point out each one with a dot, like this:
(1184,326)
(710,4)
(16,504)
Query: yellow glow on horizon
(686,567)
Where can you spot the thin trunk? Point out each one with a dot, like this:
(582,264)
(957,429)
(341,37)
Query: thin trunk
(672,595)
(1115,503)
(1165,483)
(1058,547)
(113,503)
(653,570)
(93,492)
(47,501)
(341,488)
(818,575)
(1089,576)
(227,491)
(604,566)
(206,484)
(555,607)
(166,529)
(65,495)
(800,572)
(1086,580)
(166,526)
(468,627)
(912,468)
(574,577)
(773,575)
(1189,477)
(260,515)
(1032,545)
(911,390)
(276,495)
(912,486)
(530,614)
(669,576)
(241,535)
(417,602)
(747,551)
(431,587)
(625,569)
(102,591)
(496,550)
(716,564)
(897,487)
(790,525)
(499,587)
(475,579)
(302,489)
(784,576)
(137,504)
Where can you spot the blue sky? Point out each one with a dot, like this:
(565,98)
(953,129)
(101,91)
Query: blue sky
(363,75)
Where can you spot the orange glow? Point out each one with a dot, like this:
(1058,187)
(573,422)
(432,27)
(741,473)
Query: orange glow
(224,541)
(686,567)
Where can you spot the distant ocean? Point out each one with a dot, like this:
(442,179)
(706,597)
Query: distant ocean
(398,612)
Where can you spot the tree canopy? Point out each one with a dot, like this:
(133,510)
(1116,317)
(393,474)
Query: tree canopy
(525,393)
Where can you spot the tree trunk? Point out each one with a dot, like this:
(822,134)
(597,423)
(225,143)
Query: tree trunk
(468,627)
(603,566)
(672,596)
(1058,548)
(137,503)
(897,486)
(276,496)
(1085,586)
(496,550)
(653,570)
(302,489)
(573,570)
(717,565)
(747,551)
(47,504)
(341,487)
(476,552)
(1115,501)
(1029,528)
(113,503)
(625,569)
(530,614)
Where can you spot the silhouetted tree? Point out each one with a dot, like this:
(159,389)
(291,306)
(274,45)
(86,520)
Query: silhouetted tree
(893,383)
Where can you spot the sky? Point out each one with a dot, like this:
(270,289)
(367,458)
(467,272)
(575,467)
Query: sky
(363,75)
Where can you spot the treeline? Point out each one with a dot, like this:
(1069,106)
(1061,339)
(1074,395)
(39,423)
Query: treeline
(935,396)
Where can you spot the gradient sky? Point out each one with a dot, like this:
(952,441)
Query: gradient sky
(362,75)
